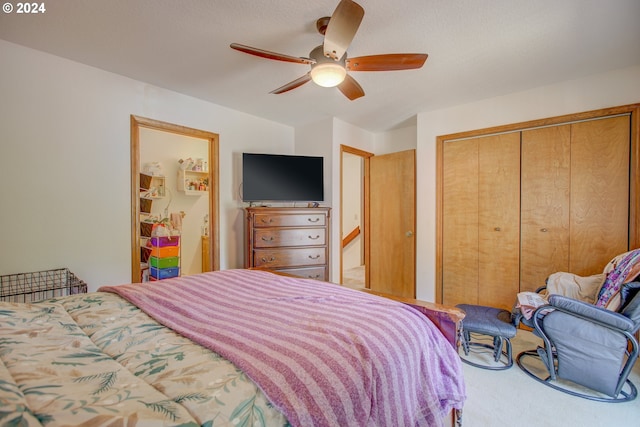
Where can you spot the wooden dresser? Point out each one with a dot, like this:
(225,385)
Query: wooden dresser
(290,240)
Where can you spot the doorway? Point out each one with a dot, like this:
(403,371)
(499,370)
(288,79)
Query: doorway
(354,202)
(174,178)
(385,185)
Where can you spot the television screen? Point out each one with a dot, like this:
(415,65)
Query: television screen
(284,178)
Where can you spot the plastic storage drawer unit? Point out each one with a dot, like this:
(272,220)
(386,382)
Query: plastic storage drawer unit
(165,241)
(165,251)
(164,273)
(173,261)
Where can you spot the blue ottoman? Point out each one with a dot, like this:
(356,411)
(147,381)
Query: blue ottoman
(492,322)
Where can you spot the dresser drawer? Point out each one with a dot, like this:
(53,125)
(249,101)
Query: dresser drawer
(293,240)
(317,273)
(272,258)
(270,238)
(285,220)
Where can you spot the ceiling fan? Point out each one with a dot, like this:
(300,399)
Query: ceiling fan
(329,62)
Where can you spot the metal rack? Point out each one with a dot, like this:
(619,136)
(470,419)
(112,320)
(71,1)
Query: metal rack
(40,285)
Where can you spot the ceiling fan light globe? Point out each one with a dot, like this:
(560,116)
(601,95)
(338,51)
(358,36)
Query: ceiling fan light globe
(328,74)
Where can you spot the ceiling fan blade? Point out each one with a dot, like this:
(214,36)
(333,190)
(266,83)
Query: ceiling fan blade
(292,85)
(342,27)
(270,55)
(388,62)
(350,88)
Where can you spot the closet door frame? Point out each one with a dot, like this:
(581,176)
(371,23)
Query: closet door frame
(633,110)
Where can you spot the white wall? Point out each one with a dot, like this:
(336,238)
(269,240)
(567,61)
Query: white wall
(65,163)
(325,138)
(610,89)
(395,140)
(343,134)
(315,139)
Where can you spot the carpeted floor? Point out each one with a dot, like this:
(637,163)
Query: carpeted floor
(511,398)
(353,277)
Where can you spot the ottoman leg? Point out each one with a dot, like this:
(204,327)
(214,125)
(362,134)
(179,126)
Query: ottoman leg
(497,348)
(466,339)
(509,354)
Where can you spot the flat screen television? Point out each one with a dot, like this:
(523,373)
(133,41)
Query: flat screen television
(282,178)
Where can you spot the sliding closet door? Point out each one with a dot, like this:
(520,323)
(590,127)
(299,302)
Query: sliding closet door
(481,220)
(575,198)
(460,222)
(575,179)
(545,186)
(599,193)
(499,219)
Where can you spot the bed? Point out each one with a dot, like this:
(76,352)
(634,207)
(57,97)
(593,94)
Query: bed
(234,347)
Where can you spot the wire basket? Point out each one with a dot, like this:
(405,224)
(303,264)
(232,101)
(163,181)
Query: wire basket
(40,285)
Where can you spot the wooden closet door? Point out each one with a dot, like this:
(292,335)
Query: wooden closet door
(481,220)
(499,219)
(599,193)
(460,222)
(545,195)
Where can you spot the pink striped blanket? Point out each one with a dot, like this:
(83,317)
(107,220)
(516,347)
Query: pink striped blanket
(323,354)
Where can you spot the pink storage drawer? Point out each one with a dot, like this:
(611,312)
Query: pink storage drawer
(165,241)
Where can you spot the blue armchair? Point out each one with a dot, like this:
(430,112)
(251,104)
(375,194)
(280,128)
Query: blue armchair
(586,345)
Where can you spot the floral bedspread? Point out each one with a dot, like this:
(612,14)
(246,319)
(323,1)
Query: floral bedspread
(323,354)
(97,360)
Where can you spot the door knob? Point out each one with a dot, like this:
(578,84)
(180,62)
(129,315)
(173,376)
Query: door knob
(409,233)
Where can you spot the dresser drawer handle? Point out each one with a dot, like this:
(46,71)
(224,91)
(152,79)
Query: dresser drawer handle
(267,239)
(266,221)
(317,276)
(271,259)
(314,238)
(313,219)
(314,256)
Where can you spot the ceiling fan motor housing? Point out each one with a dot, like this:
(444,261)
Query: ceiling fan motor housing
(326,72)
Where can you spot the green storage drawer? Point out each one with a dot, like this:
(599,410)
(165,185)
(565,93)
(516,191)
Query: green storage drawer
(164,262)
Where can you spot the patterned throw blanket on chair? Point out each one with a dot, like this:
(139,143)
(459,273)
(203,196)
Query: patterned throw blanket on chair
(323,354)
(624,271)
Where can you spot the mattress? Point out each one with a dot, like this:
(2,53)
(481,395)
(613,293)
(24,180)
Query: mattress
(99,359)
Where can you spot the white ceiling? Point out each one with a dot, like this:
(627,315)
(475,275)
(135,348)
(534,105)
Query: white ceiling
(477,49)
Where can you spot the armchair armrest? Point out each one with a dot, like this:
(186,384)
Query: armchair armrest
(591,312)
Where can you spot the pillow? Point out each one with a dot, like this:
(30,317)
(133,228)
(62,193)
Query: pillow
(574,286)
